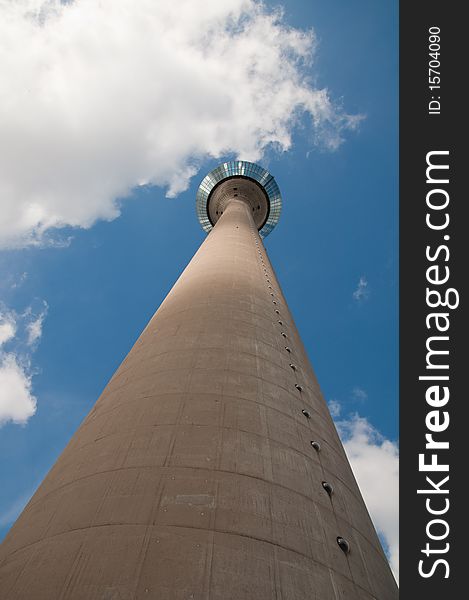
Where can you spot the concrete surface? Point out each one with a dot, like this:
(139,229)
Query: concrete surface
(193,477)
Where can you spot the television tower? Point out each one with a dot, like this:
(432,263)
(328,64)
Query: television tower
(210,467)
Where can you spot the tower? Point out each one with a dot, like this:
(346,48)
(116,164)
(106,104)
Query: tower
(209,468)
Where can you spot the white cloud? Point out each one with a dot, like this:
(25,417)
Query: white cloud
(359,393)
(100,97)
(21,332)
(17,403)
(334,408)
(35,330)
(7,327)
(362,292)
(34,327)
(375,463)
(19,281)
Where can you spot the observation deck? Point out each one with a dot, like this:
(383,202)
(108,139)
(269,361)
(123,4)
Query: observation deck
(243,180)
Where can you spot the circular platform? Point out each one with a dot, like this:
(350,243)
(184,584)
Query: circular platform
(239,178)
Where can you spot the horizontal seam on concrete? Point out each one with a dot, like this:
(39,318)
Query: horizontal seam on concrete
(275,348)
(263,437)
(266,481)
(306,389)
(301,424)
(253,294)
(142,345)
(233,319)
(221,531)
(229,350)
(303,363)
(218,395)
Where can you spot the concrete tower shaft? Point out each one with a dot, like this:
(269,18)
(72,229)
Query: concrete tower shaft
(194,475)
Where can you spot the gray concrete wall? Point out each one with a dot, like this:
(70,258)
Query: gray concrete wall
(194,477)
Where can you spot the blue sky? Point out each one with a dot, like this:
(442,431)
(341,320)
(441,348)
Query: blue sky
(334,251)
